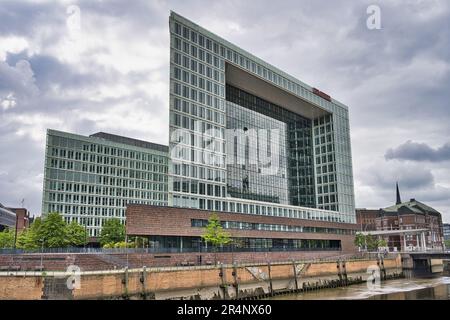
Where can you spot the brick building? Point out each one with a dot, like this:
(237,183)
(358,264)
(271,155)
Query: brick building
(18,218)
(23,218)
(179,230)
(408,215)
(366,219)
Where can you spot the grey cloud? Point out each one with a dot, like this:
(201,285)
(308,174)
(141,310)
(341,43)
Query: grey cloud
(383,75)
(411,177)
(17,82)
(24,18)
(419,152)
(48,71)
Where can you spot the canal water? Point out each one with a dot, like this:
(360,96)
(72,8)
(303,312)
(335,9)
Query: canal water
(414,288)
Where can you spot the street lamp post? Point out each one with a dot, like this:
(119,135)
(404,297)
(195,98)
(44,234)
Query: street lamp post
(42,254)
(15,234)
(85,237)
(126,247)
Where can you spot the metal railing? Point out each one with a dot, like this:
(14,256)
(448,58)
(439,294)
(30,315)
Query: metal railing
(158,250)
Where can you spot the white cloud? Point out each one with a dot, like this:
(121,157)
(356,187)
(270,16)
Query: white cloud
(112,74)
(11,45)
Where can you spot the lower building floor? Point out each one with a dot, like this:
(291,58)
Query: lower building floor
(243,244)
(178,230)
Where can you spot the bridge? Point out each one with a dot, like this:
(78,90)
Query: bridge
(425,261)
(444,255)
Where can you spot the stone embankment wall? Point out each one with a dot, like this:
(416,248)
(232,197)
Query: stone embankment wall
(197,282)
(101,261)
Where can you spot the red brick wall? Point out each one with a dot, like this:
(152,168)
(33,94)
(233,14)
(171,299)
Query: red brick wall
(152,220)
(22,218)
(186,281)
(91,262)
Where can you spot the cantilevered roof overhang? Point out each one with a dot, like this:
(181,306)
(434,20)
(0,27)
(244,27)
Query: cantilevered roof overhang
(240,78)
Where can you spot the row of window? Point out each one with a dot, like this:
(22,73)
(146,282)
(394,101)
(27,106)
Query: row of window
(145,173)
(206,129)
(200,82)
(74,145)
(116,180)
(131,185)
(269,210)
(198,54)
(198,111)
(198,172)
(101,159)
(182,153)
(201,223)
(196,187)
(196,95)
(114,200)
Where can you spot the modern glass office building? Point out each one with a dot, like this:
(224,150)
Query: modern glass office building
(446,227)
(91,179)
(246,137)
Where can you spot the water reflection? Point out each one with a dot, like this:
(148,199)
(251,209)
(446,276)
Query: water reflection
(434,288)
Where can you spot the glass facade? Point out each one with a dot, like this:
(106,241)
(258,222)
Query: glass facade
(315,155)
(294,170)
(91,179)
(239,225)
(195,244)
(249,139)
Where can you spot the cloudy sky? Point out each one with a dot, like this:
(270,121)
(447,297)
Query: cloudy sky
(88,66)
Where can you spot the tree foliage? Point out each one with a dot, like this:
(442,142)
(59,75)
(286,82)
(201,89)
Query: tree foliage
(382,243)
(360,240)
(48,232)
(7,238)
(76,234)
(113,231)
(53,232)
(214,232)
(447,243)
(372,243)
(27,240)
(369,242)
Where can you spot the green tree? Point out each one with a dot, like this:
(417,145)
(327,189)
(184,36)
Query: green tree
(447,244)
(113,231)
(382,243)
(7,238)
(372,243)
(35,227)
(27,240)
(52,232)
(360,240)
(76,234)
(214,234)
